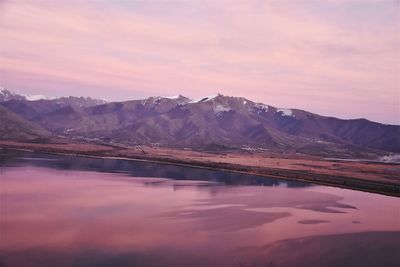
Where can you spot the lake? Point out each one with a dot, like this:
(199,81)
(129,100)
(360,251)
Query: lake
(75,211)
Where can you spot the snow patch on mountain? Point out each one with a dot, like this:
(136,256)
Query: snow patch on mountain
(6,95)
(220,109)
(260,108)
(179,99)
(152,100)
(173,97)
(285,112)
(37,97)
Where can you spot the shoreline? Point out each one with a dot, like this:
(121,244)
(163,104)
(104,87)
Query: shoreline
(344,184)
(340,181)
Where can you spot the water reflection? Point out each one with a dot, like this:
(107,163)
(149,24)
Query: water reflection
(137,168)
(53,215)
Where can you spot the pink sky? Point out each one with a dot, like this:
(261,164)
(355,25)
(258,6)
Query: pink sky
(337,58)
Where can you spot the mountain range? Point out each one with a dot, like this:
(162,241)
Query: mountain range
(213,123)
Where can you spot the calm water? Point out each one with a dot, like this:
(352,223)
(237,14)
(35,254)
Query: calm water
(73,211)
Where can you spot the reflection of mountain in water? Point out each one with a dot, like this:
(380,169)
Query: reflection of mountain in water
(141,169)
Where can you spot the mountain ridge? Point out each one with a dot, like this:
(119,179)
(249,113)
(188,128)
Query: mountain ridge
(226,121)
(93,101)
(7,95)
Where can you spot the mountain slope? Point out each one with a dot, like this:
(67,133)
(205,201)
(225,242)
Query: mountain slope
(13,127)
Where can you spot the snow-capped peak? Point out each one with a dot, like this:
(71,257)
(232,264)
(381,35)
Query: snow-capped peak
(173,97)
(37,97)
(180,99)
(6,95)
(204,99)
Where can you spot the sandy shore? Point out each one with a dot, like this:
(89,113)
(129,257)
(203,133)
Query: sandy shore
(367,176)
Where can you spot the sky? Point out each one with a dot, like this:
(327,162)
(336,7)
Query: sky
(331,57)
